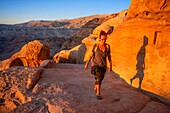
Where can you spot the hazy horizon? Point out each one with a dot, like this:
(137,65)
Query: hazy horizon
(20,11)
(52,20)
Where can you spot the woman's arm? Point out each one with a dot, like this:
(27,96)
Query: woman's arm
(110,60)
(91,56)
(87,63)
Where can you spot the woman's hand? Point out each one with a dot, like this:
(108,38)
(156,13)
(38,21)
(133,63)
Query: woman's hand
(110,68)
(86,66)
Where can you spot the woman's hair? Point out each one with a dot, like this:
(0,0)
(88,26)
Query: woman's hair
(102,33)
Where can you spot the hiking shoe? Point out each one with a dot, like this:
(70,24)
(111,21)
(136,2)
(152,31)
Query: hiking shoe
(98,97)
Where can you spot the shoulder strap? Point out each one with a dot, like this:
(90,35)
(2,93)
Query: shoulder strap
(107,47)
(94,47)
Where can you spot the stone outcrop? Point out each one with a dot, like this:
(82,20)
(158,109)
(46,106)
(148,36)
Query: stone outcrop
(149,9)
(74,55)
(68,88)
(140,46)
(15,84)
(111,24)
(31,54)
(67,56)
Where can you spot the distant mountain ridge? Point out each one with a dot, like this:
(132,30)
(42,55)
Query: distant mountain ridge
(13,37)
(67,23)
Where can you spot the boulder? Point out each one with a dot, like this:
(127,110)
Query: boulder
(31,54)
(67,56)
(81,53)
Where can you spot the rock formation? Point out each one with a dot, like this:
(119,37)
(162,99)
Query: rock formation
(149,9)
(111,24)
(140,46)
(31,54)
(67,56)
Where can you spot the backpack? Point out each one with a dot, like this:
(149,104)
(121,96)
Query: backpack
(96,46)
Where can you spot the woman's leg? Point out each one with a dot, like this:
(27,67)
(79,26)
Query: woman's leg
(97,88)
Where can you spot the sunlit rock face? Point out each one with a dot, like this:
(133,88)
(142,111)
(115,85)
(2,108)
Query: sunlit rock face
(67,56)
(149,8)
(140,46)
(31,54)
(112,23)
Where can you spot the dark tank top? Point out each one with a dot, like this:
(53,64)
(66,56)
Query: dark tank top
(99,58)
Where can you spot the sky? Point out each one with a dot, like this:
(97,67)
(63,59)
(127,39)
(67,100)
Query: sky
(19,11)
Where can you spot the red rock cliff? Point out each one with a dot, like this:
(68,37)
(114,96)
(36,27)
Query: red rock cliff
(140,46)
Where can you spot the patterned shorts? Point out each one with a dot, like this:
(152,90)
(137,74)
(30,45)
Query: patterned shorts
(98,73)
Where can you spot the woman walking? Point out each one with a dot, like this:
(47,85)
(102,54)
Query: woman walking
(100,53)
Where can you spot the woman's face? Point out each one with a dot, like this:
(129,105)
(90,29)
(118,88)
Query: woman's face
(103,39)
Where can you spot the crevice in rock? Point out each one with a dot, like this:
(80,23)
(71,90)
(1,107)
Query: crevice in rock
(156,98)
(163,5)
(37,77)
(143,106)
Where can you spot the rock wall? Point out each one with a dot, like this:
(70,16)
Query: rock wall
(31,54)
(149,8)
(140,47)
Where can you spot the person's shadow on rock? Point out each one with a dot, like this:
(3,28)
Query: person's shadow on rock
(140,66)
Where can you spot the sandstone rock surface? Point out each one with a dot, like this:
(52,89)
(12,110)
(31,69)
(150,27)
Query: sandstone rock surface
(140,47)
(67,56)
(69,88)
(109,25)
(31,54)
(15,85)
(149,9)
